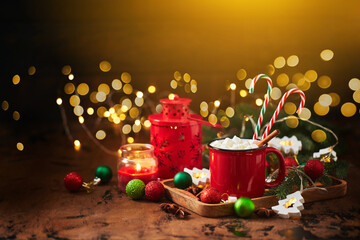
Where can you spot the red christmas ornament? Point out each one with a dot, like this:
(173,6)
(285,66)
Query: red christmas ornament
(210,195)
(73,181)
(154,191)
(290,162)
(314,168)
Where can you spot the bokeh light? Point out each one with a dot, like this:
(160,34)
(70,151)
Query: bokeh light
(105,66)
(16,79)
(59,101)
(270,70)
(100,135)
(134,112)
(217,103)
(325,100)
(100,96)
(311,75)
(348,109)
(321,110)
(81,119)
(116,84)
(66,70)
(282,79)
(177,76)
(290,108)
(71,77)
(187,77)
(130,140)
(305,114)
(248,83)
(326,54)
(356,96)
(204,106)
(20,146)
(243,93)
(354,84)
(258,101)
(101,111)
(83,89)
(241,74)
(233,86)
(90,111)
(212,119)
(139,101)
(173,84)
(128,89)
(229,112)
(16,115)
(103,87)
(151,89)
(126,129)
(298,79)
(279,62)
(324,82)
(69,88)
(291,86)
(78,110)
(74,100)
(32,70)
(335,99)
(126,77)
(292,122)
(93,97)
(306,86)
(318,135)
(77,145)
(224,121)
(136,128)
(292,61)
(187,88)
(5,105)
(147,123)
(275,93)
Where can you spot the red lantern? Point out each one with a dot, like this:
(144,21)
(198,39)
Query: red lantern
(177,137)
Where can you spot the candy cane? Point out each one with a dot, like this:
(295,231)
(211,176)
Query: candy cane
(281,104)
(266,100)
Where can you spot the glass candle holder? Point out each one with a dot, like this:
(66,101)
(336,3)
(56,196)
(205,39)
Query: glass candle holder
(137,161)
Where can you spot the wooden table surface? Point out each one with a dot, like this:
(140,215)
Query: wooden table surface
(34,203)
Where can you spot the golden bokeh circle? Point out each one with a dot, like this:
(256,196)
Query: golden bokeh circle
(78,110)
(100,96)
(128,89)
(224,121)
(292,122)
(279,62)
(243,93)
(241,74)
(69,88)
(326,54)
(32,70)
(290,108)
(348,109)
(311,75)
(83,89)
(74,100)
(270,70)
(177,75)
(105,66)
(20,146)
(100,135)
(292,61)
(212,119)
(116,84)
(103,87)
(16,79)
(335,99)
(66,70)
(325,100)
(187,77)
(282,80)
(305,114)
(230,112)
(354,84)
(126,77)
(275,93)
(321,110)
(356,96)
(318,136)
(324,82)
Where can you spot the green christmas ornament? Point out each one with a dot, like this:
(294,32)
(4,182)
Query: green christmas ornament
(182,180)
(104,173)
(244,207)
(135,189)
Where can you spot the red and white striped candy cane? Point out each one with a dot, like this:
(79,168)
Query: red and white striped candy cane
(266,100)
(281,104)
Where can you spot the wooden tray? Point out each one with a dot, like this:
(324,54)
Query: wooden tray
(338,189)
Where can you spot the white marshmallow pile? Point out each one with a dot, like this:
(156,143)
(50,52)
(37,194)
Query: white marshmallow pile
(235,143)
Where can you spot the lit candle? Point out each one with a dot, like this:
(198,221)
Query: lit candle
(137,162)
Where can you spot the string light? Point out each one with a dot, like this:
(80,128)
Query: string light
(77,145)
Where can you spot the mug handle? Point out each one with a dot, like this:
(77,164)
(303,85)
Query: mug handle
(281,175)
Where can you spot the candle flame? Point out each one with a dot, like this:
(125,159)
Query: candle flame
(290,203)
(138,167)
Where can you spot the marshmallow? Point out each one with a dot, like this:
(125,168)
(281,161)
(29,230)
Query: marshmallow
(235,143)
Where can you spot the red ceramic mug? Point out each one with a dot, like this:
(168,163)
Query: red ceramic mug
(241,173)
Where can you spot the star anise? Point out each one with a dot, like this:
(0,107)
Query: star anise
(194,190)
(175,210)
(264,212)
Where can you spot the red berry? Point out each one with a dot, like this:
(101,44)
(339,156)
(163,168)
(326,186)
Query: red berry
(210,195)
(73,181)
(154,191)
(290,162)
(314,168)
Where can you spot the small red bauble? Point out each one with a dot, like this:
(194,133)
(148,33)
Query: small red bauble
(314,168)
(210,195)
(73,181)
(154,191)
(290,162)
